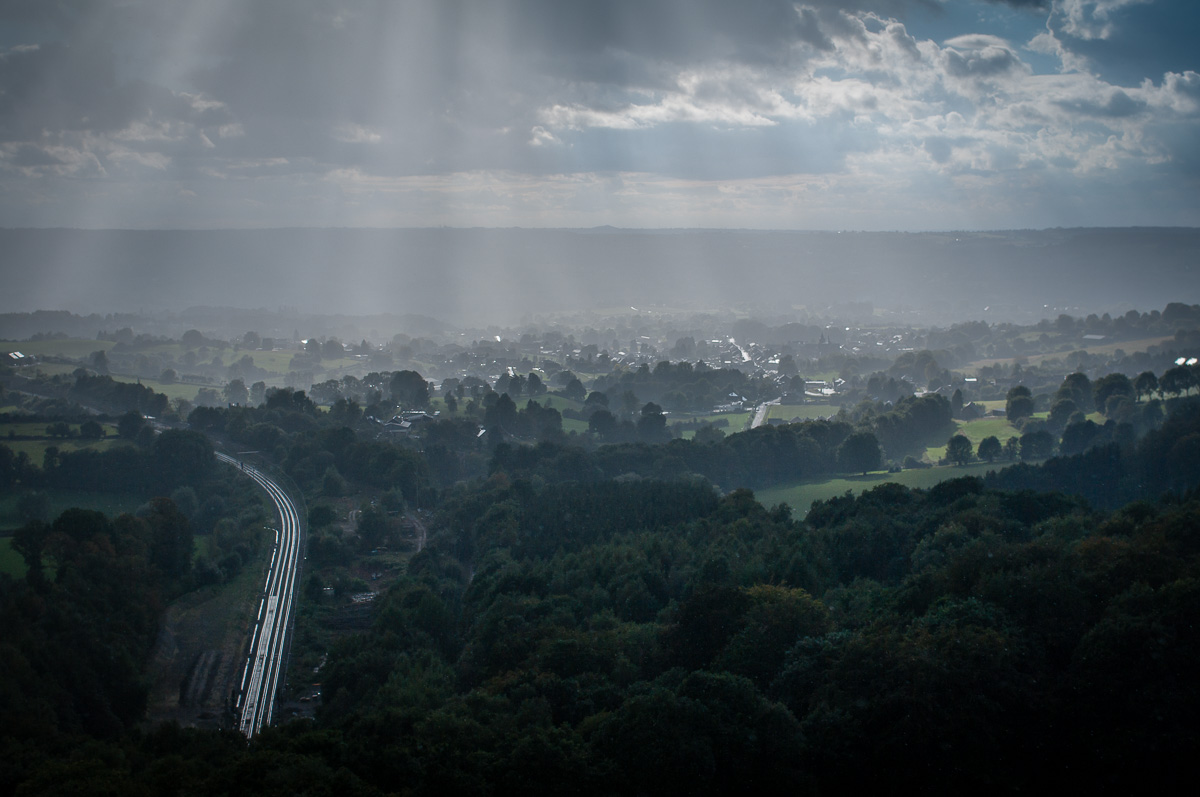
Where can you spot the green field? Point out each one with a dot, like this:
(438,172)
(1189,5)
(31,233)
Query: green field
(1107,349)
(800,496)
(61,500)
(976,431)
(11,562)
(54,369)
(801,411)
(37,429)
(559,403)
(574,425)
(737,420)
(70,347)
(276,363)
(33,429)
(36,449)
(1000,428)
(173,390)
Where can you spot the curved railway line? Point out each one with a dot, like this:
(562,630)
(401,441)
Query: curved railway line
(264,669)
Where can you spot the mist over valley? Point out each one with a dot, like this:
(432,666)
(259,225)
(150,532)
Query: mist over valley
(473,278)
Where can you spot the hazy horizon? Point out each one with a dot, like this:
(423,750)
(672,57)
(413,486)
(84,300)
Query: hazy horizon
(489,160)
(477,277)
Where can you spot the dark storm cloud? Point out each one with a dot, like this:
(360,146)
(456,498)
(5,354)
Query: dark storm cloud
(58,86)
(683,31)
(286,57)
(72,81)
(368,111)
(58,15)
(680,31)
(460,85)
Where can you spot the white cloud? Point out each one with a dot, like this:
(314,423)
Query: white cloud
(1179,93)
(1048,44)
(540,137)
(200,103)
(148,131)
(969,104)
(1090,19)
(150,160)
(688,102)
(356,134)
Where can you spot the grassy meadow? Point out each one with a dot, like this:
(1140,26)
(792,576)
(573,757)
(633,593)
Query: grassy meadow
(277,363)
(75,348)
(800,496)
(1101,349)
(737,420)
(11,563)
(803,411)
(32,439)
(559,403)
(36,449)
(111,504)
(976,431)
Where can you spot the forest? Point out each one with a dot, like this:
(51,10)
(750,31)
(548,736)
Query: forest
(653,637)
(613,611)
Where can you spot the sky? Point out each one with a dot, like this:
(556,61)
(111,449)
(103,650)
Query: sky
(847,114)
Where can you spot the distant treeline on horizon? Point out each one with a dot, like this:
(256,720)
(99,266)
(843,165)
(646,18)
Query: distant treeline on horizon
(476,277)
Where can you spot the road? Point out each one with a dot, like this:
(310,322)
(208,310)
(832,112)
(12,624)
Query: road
(760,414)
(264,666)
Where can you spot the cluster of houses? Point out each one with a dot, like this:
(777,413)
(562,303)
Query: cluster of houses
(406,424)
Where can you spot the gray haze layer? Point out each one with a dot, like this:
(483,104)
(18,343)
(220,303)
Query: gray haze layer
(473,277)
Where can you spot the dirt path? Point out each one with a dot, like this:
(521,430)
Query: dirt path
(419,527)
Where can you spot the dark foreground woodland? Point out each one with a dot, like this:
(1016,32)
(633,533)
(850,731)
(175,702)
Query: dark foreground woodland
(565,631)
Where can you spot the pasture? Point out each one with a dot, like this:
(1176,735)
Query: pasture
(800,496)
(575,425)
(559,403)
(111,504)
(737,420)
(804,412)
(1102,349)
(11,563)
(975,431)
(36,449)
(75,348)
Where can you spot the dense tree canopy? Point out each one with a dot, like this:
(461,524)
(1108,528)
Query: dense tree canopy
(621,618)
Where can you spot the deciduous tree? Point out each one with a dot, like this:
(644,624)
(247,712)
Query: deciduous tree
(409,389)
(958,449)
(1018,404)
(990,448)
(859,453)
